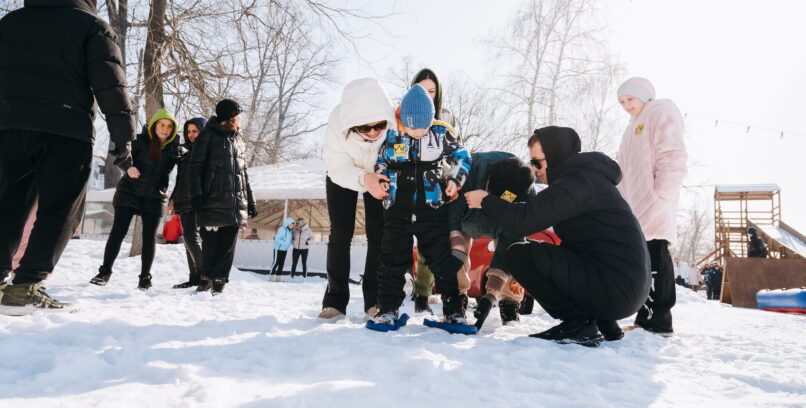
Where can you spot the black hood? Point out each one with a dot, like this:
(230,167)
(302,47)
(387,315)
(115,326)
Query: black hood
(199,122)
(86,5)
(595,161)
(558,144)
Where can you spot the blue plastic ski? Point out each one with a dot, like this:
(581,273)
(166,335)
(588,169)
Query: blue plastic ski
(400,322)
(452,327)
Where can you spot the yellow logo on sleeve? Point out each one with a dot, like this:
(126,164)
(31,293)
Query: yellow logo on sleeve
(639,129)
(509,196)
(400,150)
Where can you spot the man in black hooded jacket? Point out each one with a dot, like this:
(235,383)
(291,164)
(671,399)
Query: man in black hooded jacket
(57,59)
(600,271)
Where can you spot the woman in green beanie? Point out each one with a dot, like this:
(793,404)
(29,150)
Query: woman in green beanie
(143,190)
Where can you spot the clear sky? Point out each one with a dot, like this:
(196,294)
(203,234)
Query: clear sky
(740,62)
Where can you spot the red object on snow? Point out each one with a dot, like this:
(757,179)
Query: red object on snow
(172,230)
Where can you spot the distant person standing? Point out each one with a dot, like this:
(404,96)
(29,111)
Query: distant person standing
(693,277)
(57,59)
(282,241)
(302,241)
(653,158)
(756,248)
(680,273)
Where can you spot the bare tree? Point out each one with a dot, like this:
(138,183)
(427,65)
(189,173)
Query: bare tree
(694,232)
(553,47)
(477,115)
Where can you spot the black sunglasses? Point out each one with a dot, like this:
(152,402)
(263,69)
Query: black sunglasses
(367,128)
(537,163)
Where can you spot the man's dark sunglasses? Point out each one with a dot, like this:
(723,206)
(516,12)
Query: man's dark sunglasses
(537,163)
(367,128)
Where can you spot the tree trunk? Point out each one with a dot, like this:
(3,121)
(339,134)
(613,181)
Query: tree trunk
(152,58)
(119,20)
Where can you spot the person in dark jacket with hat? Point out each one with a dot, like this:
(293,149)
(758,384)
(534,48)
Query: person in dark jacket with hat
(180,204)
(143,191)
(57,59)
(220,193)
(601,269)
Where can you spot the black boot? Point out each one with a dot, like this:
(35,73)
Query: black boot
(454,309)
(217,286)
(610,330)
(101,279)
(509,311)
(204,285)
(580,331)
(145,282)
(421,305)
(483,309)
(189,284)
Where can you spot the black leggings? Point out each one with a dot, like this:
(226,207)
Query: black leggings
(279,262)
(295,254)
(123,217)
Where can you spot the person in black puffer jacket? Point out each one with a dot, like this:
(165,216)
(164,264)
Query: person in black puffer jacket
(180,204)
(57,60)
(143,190)
(220,193)
(601,268)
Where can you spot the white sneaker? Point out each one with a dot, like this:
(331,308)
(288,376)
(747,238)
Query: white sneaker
(330,313)
(388,318)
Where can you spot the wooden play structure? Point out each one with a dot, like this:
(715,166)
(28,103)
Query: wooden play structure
(737,207)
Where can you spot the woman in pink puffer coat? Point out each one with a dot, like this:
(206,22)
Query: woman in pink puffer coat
(653,159)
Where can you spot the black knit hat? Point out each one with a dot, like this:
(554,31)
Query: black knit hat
(511,180)
(558,143)
(227,109)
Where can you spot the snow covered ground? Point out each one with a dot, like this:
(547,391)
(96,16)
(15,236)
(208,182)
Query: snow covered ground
(259,344)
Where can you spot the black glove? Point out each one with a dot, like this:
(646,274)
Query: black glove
(252,211)
(483,310)
(197,202)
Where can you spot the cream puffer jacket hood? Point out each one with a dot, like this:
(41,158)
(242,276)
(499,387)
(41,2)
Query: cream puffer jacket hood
(347,154)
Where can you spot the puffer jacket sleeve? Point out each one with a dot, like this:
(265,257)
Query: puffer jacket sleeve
(459,157)
(564,199)
(197,164)
(107,78)
(667,129)
(341,168)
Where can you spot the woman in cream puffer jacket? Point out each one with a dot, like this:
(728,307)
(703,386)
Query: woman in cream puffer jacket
(355,132)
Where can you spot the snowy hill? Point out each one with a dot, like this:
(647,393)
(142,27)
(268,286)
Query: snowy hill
(259,345)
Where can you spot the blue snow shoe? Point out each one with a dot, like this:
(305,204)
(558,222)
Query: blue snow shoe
(453,328)
(387,321)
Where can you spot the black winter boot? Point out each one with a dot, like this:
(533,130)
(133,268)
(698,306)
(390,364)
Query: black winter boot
(193,281)
(454,309)
(217,286)
(579,331)
(509,311)
(610,330)
(421,305)
(145,282)
(483,309)
(204,285)
(101,279)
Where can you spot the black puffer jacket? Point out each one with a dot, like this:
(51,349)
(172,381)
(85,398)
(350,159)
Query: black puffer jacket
(181,193)
(56,58)
(149,192)
(589,215)
(217,173)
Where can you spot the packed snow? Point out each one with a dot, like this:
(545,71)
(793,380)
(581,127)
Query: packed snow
(260,345)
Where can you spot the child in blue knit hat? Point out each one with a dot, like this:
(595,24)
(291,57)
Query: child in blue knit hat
(415,206)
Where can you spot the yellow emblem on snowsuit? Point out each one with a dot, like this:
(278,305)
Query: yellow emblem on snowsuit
(639,129)
(400,150)
(509,196)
